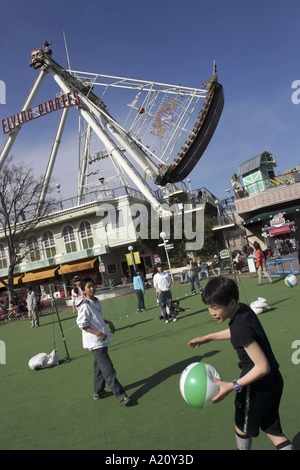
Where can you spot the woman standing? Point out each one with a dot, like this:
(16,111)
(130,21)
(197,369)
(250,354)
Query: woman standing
(139,289)
(261,264)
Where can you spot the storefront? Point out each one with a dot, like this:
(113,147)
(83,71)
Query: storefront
(280,235)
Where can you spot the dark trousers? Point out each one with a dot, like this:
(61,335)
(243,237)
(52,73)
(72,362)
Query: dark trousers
(165,299)
(104,372)
(194,280)
(140,299)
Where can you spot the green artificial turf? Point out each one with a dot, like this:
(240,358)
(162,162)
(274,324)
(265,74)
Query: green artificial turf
(53,408)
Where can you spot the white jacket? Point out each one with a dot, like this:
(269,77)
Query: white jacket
(90,315)
(162,281)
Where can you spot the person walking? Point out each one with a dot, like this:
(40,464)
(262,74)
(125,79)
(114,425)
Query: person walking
(32,308)
(193,277)
(261,264)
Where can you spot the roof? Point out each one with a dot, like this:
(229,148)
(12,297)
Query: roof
(268,215)
(255,163)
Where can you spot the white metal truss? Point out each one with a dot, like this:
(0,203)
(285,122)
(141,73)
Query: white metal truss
(152,132)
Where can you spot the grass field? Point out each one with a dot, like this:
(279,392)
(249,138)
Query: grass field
(53,408)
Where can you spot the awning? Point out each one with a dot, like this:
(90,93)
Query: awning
(76,266)
(38,275)
(269,215)
(279,230)
(16,280)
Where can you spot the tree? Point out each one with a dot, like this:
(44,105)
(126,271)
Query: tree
(20,213)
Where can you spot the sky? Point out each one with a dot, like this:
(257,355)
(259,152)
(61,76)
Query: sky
(255,45)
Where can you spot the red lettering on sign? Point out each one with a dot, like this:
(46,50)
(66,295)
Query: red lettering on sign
(64,100)
(70,99)
(24,116)
(4,125)
(51,106)
(77,98)
(57,103)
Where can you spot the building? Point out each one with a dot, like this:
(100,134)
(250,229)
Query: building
(94,238)
(265,207)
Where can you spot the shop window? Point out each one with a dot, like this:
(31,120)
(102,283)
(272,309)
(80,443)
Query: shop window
(86,235)
(49,244)
(69,239)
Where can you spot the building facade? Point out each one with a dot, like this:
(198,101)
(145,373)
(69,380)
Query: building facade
(92,239)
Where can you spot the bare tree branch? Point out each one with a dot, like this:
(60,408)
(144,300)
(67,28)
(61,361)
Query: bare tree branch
(20,212)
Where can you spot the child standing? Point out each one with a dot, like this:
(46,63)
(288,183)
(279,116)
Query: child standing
(259,389)
(96,337)
(139,290)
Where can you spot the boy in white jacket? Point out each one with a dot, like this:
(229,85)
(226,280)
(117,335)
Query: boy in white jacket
(96,337)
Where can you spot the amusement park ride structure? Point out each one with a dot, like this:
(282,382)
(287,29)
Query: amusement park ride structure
(163,120)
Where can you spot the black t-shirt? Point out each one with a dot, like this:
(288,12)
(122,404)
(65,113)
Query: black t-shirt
(245,328)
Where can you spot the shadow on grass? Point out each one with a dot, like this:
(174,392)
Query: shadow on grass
(296,441)
(156,379)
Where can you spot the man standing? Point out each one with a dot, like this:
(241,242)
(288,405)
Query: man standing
(192,274)
(32,308)
(162,283)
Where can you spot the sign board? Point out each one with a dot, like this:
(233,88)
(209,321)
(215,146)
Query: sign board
(136,256)
(278,220)
(156,259)
(129,259)
(224,254)
(251,264)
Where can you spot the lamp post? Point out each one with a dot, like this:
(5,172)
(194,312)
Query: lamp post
(163,235)
(58,190)
(130,248)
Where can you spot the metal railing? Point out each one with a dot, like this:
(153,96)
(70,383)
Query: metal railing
(286,179)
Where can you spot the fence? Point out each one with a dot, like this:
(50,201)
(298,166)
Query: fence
(282,267)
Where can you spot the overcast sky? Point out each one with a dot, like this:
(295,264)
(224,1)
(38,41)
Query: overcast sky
(254,43)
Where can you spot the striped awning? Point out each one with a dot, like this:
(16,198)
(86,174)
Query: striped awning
(77,266)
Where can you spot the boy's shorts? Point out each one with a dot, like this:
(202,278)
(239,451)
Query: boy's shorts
(257,406)
(165,296)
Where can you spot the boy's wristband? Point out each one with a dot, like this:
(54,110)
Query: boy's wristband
(236,387)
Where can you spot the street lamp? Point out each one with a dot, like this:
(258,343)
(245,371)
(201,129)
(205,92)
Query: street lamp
(163,235)
(130,248)
(58,190)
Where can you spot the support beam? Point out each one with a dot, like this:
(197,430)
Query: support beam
(13,135)
(52,158)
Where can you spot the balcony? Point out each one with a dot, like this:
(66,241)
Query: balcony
(277,191)
(222,222)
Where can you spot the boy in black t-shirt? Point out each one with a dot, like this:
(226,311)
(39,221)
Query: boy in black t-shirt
(259,388)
